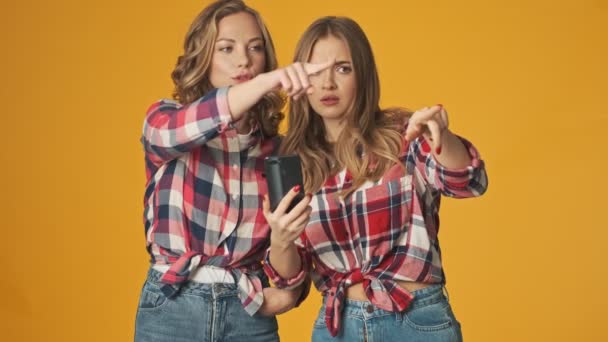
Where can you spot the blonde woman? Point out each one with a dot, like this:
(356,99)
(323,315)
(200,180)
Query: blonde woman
(205,230)
(376,177)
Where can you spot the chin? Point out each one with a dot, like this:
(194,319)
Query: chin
(331,113)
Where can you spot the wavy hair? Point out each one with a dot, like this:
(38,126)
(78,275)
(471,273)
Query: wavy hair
(371,140)
(191,73)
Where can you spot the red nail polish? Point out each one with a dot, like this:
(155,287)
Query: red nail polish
(296,188)
(440,105)
(425,147)
(438,150)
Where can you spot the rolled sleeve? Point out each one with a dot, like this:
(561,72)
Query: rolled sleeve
(286,283)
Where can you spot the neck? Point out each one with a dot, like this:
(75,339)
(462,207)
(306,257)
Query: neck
(333,128)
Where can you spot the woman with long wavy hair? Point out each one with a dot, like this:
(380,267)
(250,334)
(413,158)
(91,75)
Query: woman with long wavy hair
(204,151)
(375,178)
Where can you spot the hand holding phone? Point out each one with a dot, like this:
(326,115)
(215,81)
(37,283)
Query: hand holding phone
(282,174)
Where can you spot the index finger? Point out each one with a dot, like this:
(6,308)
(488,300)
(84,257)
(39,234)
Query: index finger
(266,206)
(427,113)
(313,68)
(286,200)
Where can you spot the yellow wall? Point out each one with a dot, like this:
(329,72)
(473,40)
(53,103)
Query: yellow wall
(524,80)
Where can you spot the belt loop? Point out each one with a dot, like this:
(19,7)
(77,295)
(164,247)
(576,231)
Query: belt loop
(399,315)
(214,290)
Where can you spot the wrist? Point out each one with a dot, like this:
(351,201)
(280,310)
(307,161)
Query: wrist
(264,82)
(280,246)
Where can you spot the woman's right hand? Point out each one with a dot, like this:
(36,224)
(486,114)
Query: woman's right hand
(293,79)
(287,227)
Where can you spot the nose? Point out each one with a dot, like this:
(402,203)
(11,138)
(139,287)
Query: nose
(243,59)
(329,82)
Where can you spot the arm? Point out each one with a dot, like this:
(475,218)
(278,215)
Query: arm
(284,256)
(286,262)
(171,130)
(287,293)
(447,162)
(293,79)
(278,301)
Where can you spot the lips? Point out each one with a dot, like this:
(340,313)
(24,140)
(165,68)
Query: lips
(330,100)
(242,78)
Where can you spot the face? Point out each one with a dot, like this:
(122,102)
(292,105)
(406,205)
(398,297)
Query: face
(239,52)
(335,87)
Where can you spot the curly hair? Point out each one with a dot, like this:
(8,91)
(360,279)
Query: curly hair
(191,73)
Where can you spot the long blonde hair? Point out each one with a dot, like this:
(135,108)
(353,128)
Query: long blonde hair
(191,74)
(371,140)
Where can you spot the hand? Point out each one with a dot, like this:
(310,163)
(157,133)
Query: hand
(293,79)
(286,227)
(431,123)
(278,301)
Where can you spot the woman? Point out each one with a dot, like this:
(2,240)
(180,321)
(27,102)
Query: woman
(377,176)
(204,153)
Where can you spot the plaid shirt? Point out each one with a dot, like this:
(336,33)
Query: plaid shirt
(384,231)
(204,193)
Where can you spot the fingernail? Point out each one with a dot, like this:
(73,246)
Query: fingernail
(438,150)
(440,105)
(425,147)
(296,188)
(309,195)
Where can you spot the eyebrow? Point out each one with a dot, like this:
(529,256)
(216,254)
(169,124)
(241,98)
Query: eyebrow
(342,62)
(234,41)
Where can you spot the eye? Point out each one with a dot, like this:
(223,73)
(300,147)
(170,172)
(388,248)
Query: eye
(257,48)
(226,49)
(344,69)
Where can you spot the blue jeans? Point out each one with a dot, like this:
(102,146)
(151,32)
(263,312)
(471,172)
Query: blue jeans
(199,312)
(428,318)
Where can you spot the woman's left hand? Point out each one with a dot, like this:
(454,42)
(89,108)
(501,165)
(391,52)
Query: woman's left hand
(278,301)
(430,122)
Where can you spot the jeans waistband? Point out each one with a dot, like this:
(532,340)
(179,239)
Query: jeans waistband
(204,274)
(422,297)
(199,289)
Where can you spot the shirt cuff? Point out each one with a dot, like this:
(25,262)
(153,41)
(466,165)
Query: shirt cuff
(465,172)
(223,109)
(286,283)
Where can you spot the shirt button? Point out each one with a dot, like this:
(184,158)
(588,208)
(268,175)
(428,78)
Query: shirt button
(235,167)
(235,197)
(370,308)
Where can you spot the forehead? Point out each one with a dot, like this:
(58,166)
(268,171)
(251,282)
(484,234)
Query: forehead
(330,48)
(238,25)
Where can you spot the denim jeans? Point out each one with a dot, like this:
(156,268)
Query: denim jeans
(199,312)
(429,318)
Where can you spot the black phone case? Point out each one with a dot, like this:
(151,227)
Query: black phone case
(282,174)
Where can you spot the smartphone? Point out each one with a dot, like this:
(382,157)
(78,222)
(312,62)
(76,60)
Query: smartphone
(282,174)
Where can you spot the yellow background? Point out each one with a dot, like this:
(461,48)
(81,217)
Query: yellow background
(524,80)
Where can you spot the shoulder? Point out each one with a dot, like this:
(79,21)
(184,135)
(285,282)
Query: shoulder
(163,104)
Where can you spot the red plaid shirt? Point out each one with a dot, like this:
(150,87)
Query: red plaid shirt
(204,194)
(383,232)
